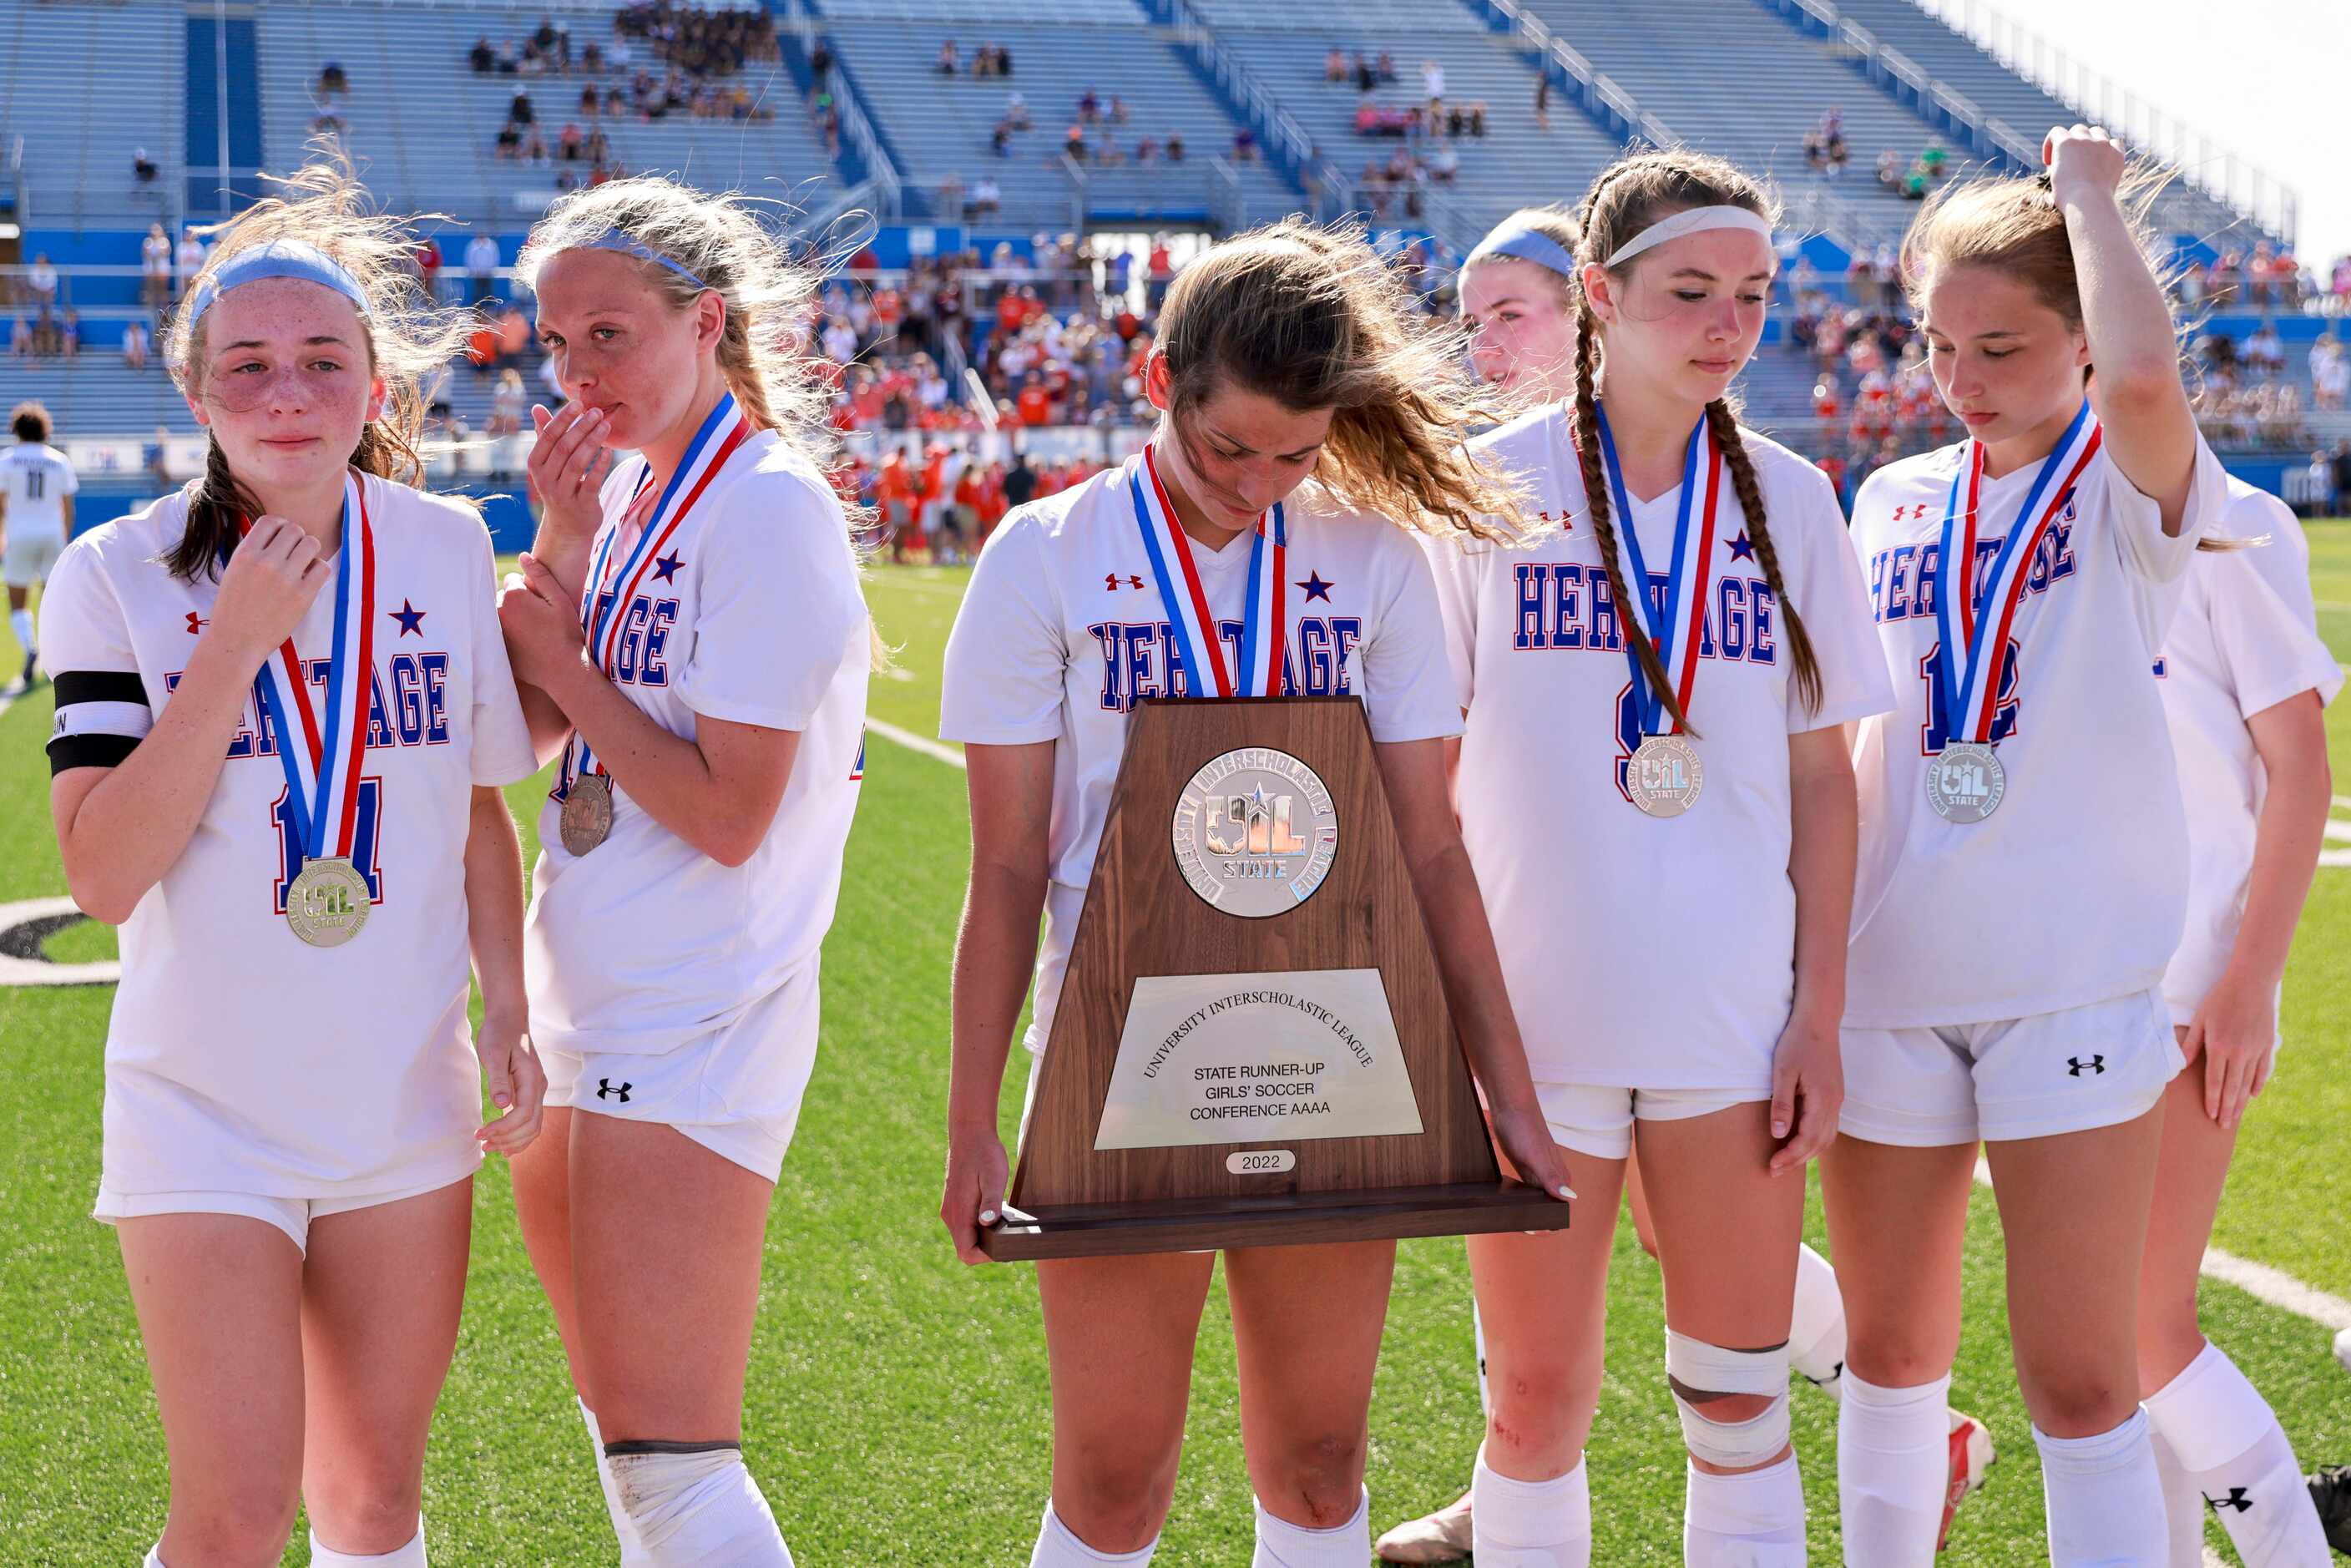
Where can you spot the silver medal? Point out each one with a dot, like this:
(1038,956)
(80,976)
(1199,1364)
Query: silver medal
(328,902)
(1664,776)
(585,819)
(1967,782)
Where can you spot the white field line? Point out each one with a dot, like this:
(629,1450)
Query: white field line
(2259,1281)
(913,742)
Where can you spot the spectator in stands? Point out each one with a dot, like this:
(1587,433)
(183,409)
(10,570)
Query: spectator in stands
(142,166)
(1244,145)
(70,333)
(1174,147)
(1335,65)
(41,280)
(986,197)
(482,59)
(156,268)
(1934,158)
(1016,111)
(509,140)
(1542,100)
(1386,65)
(508,401)
(519,112)
(1889,164)
(1089,106)
(1432,84)
(1444,163)
(2319,479)
(2330,371)
(135,343)
(534,149)
(1367,76)
(569,140)
(481,269)
(331,79)
(188,258)
(2264,350)
(950,58)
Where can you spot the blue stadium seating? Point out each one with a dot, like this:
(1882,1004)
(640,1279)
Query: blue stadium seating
(86,86)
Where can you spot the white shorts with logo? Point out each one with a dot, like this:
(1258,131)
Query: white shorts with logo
(29,559)
(735,1090)
(1597,1120)
(2098,1065)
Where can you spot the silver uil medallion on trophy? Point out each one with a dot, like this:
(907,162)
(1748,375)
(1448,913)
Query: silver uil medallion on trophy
(1254,832)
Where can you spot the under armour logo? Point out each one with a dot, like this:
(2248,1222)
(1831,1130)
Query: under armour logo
(604,1087)
(2236,1499)
(196,623)
(1111,580)
(2075,1066)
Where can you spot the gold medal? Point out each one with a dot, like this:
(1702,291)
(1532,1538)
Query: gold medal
(328,902)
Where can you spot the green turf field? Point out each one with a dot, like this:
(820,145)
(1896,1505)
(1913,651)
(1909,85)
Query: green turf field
(897,1411)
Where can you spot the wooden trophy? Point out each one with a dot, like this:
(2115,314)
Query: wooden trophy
(1252,1046)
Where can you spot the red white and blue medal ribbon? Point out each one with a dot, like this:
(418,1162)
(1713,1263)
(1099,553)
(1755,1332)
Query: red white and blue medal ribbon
(1678,629)
(605,598)
(1199,650)
(322,748)
(1973,616)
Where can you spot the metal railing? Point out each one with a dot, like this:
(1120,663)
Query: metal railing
(889,187)
(1285,139)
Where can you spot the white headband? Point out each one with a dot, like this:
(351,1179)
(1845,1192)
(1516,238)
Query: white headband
(1694,220)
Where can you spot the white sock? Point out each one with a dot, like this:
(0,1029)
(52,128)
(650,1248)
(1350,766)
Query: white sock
(2100,1497)
(633,1550)
(1816,1328)
(1894,1459)
(20,622)
(697,1509)
(154,1557)
(409,1556)
(1753,1520)
(1531,1524)
(1281,1544)
(1477,1327)
(1057,1547)
(2232,1453)
(2183,1506)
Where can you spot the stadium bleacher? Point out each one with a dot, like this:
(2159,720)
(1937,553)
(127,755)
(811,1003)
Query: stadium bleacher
(86,87)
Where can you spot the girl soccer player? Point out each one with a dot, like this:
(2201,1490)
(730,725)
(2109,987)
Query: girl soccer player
(2023,856)
(283,716)
(1655,695)
(691,640)
(1301,410)
(2245,681)
(1519,290)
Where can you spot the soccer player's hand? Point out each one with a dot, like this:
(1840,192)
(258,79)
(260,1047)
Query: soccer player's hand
(268,588)
(2083,158)
(541,623)
(978,1172)
(517,1082)
(568,465)
(1526,1147)
(1807,1091)
(2233,1029)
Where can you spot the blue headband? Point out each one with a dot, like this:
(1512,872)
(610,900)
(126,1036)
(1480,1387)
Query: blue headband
(613,239)
(1527,245)
(275,258)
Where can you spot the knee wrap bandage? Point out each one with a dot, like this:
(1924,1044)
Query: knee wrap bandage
(1710,1369)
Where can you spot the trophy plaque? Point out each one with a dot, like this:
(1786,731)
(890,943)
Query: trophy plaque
(1252,1046)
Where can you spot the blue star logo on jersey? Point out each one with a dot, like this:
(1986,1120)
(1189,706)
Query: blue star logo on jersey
(411,619)
(665,567)
(1316,588)
(1742,547)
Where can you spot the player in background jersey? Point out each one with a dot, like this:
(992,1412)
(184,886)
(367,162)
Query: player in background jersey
(36,508)
(1309,424)
(2024,854)
(291,1128)
(1518,292)
(691,640)
(2245,681)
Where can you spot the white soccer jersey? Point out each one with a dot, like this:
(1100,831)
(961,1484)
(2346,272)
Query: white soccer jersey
(2071,891)
(1640,952)
(35,479)
(1062,630)
(751,613)
(2245,639)
(238,1059)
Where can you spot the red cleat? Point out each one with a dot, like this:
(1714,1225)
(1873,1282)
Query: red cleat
(1971,1456)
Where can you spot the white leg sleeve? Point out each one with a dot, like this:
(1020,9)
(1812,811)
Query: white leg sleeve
(20,622)
(2101,1498)
(1281,1544)
(2233,1455)
(1755,1520)
(1710,1369)
(1816,1330)
(1531,1524)
(2183,1510)
(633,1551)
(695,1506)
(1893,1463)
(409,1556)
(1058,1547)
